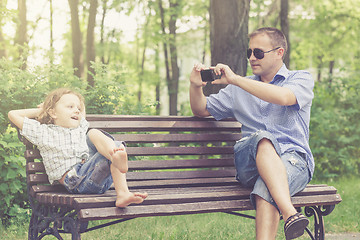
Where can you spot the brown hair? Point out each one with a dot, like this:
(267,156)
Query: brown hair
(50,101)
(276,36)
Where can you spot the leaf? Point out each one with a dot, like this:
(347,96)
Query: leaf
(11,174)
(4,144)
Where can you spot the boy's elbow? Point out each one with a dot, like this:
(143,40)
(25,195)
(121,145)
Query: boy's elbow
(15,119)
(11,115)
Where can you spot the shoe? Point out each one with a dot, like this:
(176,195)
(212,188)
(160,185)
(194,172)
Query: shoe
(295,226)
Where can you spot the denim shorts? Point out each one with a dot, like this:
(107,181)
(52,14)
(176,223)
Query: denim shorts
(94,175)
(248,175)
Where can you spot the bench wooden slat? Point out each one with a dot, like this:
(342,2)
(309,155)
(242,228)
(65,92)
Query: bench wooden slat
(31,154)
(156,151)
(81,203)
(322,200)
(180,164)
(171,138)
(109,117)
(164,210)
(41,178)
(141,176)
(34,190)
(183,182)
(167,126)
(33,167)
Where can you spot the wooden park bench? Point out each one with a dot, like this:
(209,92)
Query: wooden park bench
(184,163)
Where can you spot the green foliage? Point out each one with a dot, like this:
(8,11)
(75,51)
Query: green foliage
(12,178)
(112,95)
(334,128)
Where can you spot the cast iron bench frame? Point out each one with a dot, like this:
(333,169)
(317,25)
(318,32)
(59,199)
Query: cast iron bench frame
(184,163)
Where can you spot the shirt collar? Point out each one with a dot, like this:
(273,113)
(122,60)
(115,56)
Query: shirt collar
(281,74)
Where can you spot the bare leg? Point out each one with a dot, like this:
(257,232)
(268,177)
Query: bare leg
(273,172)
(267,220)
(107,147)
(123,196)
(118,156)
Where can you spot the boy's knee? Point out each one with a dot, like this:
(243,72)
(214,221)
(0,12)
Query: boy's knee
(93,132)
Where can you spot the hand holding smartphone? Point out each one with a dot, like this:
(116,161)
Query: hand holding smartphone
(208,75)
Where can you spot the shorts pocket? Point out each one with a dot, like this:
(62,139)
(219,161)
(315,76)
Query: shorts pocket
(101,172)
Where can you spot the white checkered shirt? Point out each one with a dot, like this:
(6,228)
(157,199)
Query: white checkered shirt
(61,148)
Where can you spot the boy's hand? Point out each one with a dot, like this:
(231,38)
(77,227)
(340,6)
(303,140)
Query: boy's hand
(41,105)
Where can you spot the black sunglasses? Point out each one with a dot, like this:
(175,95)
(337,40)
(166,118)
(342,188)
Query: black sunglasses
(258,53)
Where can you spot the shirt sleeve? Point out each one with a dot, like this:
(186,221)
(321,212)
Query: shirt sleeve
(32,130)
(220,105)
(302,84)
(84,124)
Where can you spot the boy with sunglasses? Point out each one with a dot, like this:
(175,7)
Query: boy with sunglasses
(273,105)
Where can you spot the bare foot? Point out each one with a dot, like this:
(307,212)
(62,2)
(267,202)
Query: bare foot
(120,160)
(129,198)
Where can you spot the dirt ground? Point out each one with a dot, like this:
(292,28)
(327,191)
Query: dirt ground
(342,236)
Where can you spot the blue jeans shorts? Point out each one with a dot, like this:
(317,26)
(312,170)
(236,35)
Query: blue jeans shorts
(94,175)
(247,174)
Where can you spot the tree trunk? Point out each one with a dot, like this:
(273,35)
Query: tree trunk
(21,35)
(331,70)
(173,85)
(90,43)
(104,7)
(165,47)
(284,22)
(228,36)
(77,49)
(157,71)
(143,56)
(3,53)
(2,40)
(51,57)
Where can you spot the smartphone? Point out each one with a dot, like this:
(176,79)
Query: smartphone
(208,75)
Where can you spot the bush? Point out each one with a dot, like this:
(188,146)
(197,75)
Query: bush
(334,128)
(12,178)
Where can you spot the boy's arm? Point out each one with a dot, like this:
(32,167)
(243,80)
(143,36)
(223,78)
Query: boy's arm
(17,116)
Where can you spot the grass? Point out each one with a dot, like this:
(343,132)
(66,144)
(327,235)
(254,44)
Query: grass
(214,225)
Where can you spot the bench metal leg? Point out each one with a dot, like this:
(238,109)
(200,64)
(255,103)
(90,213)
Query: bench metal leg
(318,212)
(50,220)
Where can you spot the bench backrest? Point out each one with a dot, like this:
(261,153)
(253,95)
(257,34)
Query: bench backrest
(159,148)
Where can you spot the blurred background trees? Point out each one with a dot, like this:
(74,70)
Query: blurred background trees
(135,57)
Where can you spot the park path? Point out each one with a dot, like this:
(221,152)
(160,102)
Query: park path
(342,236)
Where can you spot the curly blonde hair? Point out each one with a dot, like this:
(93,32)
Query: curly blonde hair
(50,101)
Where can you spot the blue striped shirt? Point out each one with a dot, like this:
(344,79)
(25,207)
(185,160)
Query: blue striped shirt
(288,124)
